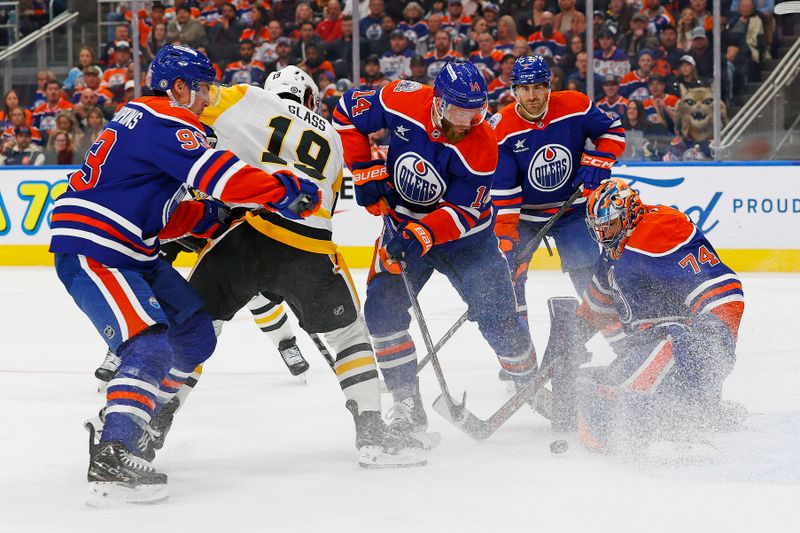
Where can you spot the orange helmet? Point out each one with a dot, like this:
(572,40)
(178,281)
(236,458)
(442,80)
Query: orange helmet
(613,201)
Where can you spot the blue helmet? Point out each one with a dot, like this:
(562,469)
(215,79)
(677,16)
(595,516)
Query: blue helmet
(529,70)
(180,61)
(460,83)
(460,94)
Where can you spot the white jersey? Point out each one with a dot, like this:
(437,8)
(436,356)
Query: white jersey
(272,133)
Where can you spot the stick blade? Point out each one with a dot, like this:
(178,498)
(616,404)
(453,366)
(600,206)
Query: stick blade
(468,423)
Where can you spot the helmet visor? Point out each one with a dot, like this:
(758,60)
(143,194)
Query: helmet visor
(461,116)
(214,93)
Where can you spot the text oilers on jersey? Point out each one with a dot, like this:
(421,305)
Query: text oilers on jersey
(445,184)
(538,159)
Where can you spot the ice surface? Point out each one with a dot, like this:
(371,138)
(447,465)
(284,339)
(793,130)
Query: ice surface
(254,450)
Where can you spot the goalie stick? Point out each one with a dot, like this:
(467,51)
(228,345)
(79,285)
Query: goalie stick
(532,245)
(483,429)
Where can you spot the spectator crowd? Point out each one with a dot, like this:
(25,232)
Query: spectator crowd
(645,53)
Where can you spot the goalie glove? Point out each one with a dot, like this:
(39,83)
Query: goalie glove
(412,241)
(371,183)
(595,168)
(302,198)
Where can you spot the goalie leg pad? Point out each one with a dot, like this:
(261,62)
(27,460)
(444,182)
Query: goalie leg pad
(639,398)
(565,350)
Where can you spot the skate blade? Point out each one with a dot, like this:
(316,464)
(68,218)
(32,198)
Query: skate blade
(375,457)
(109,494)
(428,439)
(680,452)
(302,379)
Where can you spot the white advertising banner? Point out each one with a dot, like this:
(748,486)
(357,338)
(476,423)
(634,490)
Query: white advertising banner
(720,198)
(740,206)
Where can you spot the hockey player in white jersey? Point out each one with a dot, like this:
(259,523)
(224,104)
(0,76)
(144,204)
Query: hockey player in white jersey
(292,259)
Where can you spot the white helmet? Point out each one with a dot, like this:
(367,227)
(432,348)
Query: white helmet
(291,80)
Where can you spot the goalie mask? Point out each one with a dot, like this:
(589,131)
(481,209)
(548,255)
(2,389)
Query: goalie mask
(612,211)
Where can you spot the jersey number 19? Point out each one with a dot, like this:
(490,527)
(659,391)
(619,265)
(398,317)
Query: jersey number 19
(313,149)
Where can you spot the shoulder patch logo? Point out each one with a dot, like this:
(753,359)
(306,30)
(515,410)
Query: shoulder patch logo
(400,131)
(407,86)
(550,167)
(417,180)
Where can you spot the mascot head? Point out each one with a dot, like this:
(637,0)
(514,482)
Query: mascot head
(694,116)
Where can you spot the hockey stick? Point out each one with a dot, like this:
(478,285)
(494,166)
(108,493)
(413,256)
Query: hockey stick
(532,245)
(322,348)
(455,411)
(483,429)
(537,240)
(446,337)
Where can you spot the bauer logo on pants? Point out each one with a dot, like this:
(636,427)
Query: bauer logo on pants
(416,180)
(550,167)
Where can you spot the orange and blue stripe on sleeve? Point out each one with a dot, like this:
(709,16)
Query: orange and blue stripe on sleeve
(222,175)
(508,202)
(723,296)
(450,221)
(606,131)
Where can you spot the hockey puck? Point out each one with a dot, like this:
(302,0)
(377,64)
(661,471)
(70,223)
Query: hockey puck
(559,446)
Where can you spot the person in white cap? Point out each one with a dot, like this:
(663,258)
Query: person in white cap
(686,76)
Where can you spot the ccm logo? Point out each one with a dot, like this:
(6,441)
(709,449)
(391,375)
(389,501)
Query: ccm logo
(369,174)
(598,162)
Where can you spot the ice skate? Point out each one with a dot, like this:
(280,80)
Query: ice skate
(107,370)
(117,476)
(408,418)
(294,360)
(146,451)
(380,448)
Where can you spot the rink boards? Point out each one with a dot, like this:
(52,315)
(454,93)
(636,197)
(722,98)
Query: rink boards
(750,212)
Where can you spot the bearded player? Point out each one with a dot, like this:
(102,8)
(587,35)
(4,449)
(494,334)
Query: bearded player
(436,179)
